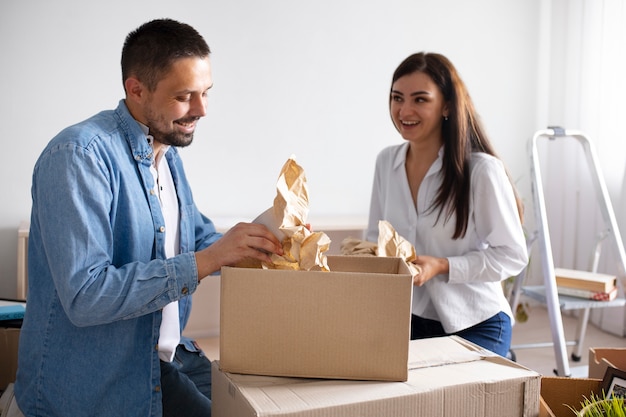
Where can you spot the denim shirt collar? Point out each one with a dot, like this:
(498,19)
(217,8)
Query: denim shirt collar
(140,148)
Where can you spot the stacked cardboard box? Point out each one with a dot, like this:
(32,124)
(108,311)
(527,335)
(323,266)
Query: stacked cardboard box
(9,339)
(448,377)
(588,285)
(336,344)
(336,324)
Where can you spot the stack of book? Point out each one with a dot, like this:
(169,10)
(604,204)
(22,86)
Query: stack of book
(588,285)
(11,312)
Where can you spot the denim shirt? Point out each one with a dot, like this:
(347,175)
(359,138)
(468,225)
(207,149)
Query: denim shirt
(98,277)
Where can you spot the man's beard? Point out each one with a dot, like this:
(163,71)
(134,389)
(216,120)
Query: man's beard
(172,138)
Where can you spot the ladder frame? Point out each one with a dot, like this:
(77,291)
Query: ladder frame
(548,293)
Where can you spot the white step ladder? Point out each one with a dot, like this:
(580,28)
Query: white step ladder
(547,293)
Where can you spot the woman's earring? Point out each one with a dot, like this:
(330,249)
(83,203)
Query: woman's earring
(445,118)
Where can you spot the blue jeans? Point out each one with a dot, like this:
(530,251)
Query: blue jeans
(493,334)
(186,385)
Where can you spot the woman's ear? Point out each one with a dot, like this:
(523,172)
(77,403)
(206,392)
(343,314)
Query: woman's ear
(445,112)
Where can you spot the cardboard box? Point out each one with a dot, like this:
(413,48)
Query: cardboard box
(350,323)
(9,339)
(448,377)
(559,392)
(601,358)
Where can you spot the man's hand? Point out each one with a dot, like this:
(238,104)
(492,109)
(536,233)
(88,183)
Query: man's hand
(243,243)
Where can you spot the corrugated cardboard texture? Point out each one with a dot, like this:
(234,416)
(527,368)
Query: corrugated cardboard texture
(601,358)
(352,322)
(484,387)
(9,339)
(558,392)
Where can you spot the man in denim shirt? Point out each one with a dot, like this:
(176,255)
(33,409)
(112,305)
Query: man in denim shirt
(117,247)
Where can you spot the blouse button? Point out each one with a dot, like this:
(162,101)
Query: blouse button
(185,290)
(162,229)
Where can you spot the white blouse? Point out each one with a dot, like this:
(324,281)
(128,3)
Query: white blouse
(493,248)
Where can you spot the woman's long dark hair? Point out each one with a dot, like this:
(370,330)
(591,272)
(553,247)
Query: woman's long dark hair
(462,134)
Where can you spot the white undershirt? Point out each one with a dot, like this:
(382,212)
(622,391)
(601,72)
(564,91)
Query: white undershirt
(169,335)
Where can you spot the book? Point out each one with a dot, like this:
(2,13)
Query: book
(583,280)
(588,295)
(12,310)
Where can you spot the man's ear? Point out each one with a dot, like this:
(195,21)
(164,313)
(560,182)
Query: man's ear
(134,89)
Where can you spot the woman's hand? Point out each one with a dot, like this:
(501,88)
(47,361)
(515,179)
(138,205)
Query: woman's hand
(428,267)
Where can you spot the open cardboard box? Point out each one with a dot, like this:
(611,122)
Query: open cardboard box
(350,323)
(448,377)
(602,358)
(559,392)
(9,340)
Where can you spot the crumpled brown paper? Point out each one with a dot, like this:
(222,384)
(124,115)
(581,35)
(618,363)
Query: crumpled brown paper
(303,249)
(353,246)
(390,244)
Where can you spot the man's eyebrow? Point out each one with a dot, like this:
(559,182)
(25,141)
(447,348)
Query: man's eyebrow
(184,92)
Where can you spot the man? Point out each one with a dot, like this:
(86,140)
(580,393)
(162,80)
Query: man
(117,247)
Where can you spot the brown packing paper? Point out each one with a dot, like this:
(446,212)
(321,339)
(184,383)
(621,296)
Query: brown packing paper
(353,246)
(390,244)
(287,219)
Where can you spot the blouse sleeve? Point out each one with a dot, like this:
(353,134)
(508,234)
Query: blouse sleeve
(501,250)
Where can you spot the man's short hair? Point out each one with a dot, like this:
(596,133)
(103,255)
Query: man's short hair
(150,50)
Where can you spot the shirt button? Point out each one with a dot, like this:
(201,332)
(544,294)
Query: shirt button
(152,191)
(157,388)
(185,291)
(162,229)
(156,347)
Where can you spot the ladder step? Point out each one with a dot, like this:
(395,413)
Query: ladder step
(538,293)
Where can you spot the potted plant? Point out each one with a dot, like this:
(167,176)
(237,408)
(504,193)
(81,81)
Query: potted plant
(600,406)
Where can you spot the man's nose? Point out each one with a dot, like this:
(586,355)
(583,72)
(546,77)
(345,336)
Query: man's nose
(199,106)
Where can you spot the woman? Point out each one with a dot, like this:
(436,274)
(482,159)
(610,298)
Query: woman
(446,191)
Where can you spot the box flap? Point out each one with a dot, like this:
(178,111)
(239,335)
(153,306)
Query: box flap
(368,264)
(558,392)
(439,351)
(601,358)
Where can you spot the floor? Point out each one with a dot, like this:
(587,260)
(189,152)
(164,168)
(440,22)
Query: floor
(537,330)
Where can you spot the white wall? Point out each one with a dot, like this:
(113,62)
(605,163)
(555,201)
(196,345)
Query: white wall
(291,77)
(584,56)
